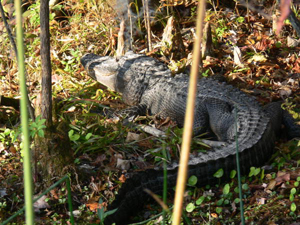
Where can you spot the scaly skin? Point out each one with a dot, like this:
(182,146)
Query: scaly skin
(147,85)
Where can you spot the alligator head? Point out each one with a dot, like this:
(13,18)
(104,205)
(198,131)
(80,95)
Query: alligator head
(104,69)
(125,75)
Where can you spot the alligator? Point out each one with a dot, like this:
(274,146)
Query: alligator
(223,111)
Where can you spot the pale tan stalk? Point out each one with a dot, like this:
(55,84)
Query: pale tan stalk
(147,23)
(189,118)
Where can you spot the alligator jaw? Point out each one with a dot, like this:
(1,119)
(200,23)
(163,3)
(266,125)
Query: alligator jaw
(103,69)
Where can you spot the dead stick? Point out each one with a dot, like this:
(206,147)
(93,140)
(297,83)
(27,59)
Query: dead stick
(189,118)
(12,41)
(121,40)
(131,26)
(148,26)
(147,23)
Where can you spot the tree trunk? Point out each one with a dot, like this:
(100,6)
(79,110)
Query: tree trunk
(46,106)
(53,152)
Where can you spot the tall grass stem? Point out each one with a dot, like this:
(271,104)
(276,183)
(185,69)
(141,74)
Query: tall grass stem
(165,187)
(28,185)
(238,169)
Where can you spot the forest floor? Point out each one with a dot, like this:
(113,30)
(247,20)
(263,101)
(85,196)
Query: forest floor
(268,67)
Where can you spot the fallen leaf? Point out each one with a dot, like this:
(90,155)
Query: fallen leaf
(233,206)
(122,178)
(261,201)
(296,66)
(133,137)
(3,192)
(99,160)
(214,215)
(94,206)
(292,42)
(56,78)
(271,223)
(285,92)
(41,204)
(146,143)
(269,176)
(54,194)
(257,58)
(123,164)
(12,149)
(282,177)
(271,185)
(237,55)
(2,148)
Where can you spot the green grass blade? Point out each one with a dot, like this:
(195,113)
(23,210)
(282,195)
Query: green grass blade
(28,186)
(238,169)
(165,187)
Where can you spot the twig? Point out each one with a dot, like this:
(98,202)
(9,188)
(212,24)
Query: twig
(131,27)
(157,199)
(12,41)
(207,48)
(151,130)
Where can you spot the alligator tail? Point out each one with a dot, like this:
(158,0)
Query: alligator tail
(132,196)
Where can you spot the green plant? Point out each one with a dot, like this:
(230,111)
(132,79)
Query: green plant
(219,173)
(293,192)
(101,214)
(205,73)
(33,14)
(222,28)
(37,127)
(73,136)
(3,204)
(5,136)
(255,171)
(240,19)
(138,14)
(93,137)
(296,184)
(293,207)
(194,12)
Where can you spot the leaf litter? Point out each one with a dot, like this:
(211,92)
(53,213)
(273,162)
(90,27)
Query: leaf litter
(268,68)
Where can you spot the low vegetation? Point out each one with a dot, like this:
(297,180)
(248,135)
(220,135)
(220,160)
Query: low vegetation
(105,149)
